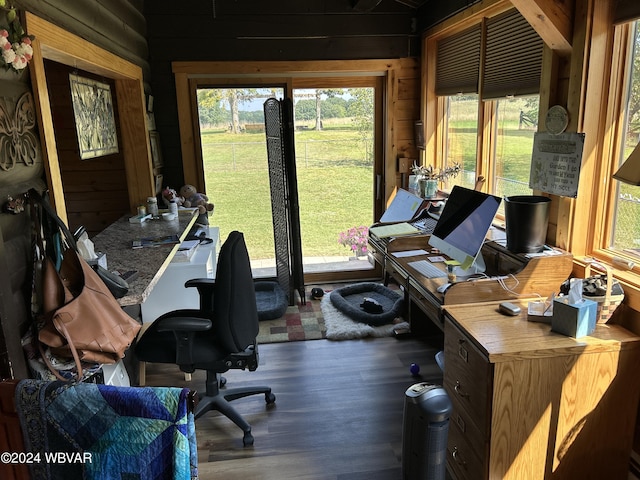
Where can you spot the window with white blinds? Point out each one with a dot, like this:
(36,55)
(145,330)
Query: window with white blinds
(513,57)
(499,57)
(458,63)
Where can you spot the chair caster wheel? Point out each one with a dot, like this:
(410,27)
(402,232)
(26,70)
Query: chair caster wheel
(247,440)
(269,398)
(223,382)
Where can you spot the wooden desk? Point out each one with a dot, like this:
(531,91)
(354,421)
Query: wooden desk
(529,403)
(539,275)
(150,263)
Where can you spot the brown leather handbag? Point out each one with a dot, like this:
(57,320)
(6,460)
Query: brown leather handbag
(83,320)
(80,318)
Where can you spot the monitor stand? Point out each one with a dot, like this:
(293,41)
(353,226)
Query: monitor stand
(478,266)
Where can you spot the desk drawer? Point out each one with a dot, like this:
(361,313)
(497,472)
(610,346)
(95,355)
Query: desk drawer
(425,303)
(468,377)
(399,275)
(468,426)
(467,462)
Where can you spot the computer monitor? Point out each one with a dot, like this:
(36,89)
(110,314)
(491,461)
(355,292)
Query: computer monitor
(462,228)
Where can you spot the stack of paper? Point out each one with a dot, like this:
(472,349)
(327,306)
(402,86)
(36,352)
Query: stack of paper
(186,251)
(393,230)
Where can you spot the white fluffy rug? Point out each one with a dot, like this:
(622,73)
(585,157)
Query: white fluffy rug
(341,327)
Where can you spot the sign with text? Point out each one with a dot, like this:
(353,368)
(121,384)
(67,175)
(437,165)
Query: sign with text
(555,163)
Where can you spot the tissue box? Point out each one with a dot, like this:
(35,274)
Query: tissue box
(574,319)
(101,260)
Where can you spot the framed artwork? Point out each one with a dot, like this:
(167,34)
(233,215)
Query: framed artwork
(419,134)
(93,115)
(156,153)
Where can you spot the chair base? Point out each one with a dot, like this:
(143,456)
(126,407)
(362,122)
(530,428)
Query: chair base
(216,399)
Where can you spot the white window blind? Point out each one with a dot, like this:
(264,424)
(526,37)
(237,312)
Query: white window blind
(508,62)
(458,63)
(513,57)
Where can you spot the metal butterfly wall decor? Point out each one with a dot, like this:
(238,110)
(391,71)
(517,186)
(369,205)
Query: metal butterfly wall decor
(17,138)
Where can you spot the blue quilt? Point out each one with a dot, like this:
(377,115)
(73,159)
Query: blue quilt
(89,431)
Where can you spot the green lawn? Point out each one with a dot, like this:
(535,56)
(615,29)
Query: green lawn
(335,185)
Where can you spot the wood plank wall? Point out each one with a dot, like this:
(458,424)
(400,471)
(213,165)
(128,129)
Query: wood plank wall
(257,30)
(95,190)
(433,12)
(118,26)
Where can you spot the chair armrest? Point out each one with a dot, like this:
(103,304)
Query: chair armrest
(204,282)
(183,324)
(206,289)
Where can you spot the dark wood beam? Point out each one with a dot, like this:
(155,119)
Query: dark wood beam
(364,5)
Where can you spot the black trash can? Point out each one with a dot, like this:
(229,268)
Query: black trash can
(427,409)
(526,218)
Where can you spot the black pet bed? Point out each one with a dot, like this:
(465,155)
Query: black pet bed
(271,300)
(348,301)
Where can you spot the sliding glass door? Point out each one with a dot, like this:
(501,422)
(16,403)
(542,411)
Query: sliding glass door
(336,154)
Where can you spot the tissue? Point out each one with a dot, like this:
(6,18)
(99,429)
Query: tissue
(572,315)
(86,247)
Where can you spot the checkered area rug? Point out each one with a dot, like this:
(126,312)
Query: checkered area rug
(300,322)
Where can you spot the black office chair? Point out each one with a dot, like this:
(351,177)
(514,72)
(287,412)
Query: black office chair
(219,336)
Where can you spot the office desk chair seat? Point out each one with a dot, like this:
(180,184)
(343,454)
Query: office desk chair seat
(218,336)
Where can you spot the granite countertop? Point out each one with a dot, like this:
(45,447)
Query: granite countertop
(150,262)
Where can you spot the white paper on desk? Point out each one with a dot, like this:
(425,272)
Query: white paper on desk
(393,230)
(409,253)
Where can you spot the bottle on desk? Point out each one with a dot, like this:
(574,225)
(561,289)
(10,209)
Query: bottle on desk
(152,206)
(173,207)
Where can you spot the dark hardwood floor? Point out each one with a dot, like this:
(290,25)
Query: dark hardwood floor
(338,413)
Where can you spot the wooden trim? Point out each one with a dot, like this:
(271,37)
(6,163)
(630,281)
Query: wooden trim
(590,99)
(300,74)
(288,68)
(613,131)
(551,19)
(54,43)
(468,17)
(47,133)
(186,126)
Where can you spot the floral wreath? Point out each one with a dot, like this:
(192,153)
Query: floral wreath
(15,44)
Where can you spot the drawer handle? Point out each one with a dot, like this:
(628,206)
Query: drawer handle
(458,389)
(463,353)
(457,457)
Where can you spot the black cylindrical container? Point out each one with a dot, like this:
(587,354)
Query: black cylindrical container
(527,218)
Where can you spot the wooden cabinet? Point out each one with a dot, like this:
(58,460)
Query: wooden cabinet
(529,403)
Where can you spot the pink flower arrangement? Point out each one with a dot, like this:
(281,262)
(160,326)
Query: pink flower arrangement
(356,238)
(15,44)
(15,55)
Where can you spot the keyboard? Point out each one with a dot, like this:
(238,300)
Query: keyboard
(425,225)
(428,269)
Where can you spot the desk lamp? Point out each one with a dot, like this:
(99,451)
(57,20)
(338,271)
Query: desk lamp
(629,172)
